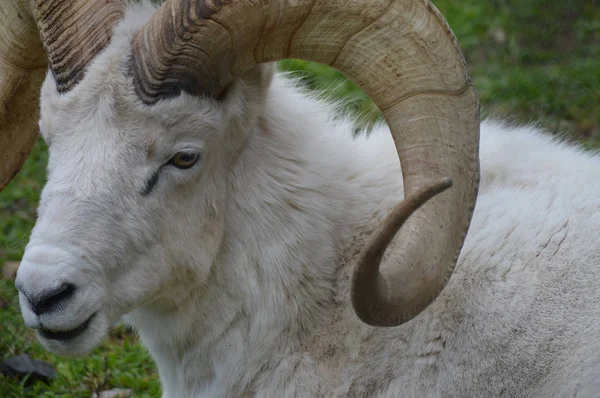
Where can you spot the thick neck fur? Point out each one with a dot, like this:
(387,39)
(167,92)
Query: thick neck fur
(270,285)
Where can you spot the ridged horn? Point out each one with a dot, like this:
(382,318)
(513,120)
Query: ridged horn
(73,33)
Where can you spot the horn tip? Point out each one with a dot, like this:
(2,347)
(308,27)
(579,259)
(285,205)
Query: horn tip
(443,184)
(446,181)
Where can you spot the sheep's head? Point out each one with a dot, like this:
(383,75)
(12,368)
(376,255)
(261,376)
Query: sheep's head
(137,148)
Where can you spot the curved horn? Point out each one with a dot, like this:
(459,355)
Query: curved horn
(72,33)
(404,55)
(22,69)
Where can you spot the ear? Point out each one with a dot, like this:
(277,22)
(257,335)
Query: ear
(252,84)
(259,78)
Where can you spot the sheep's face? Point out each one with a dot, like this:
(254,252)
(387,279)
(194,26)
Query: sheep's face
(132,213)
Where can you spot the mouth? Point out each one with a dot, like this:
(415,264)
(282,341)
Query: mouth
(64,335)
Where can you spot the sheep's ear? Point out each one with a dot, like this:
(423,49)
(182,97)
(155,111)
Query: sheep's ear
(260,76)
(254,83)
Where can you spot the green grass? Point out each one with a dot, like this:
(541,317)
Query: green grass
(533,60)
(120,361)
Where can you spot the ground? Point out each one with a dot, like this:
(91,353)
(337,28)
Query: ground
(530,60)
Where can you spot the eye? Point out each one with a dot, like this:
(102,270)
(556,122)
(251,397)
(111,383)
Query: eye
(184,160)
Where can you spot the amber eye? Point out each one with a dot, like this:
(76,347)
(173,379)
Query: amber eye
(184,160)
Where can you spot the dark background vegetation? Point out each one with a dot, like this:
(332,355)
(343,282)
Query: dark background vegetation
(531,60)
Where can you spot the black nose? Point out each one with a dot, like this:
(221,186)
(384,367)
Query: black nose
(52,299)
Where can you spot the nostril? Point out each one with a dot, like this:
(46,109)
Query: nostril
(52,299)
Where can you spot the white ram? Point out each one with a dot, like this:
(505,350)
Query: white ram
(226,230)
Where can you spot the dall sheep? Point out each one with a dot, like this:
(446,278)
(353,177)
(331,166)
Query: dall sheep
(220,211)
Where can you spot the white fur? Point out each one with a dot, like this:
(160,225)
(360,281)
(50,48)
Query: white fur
(235,273)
